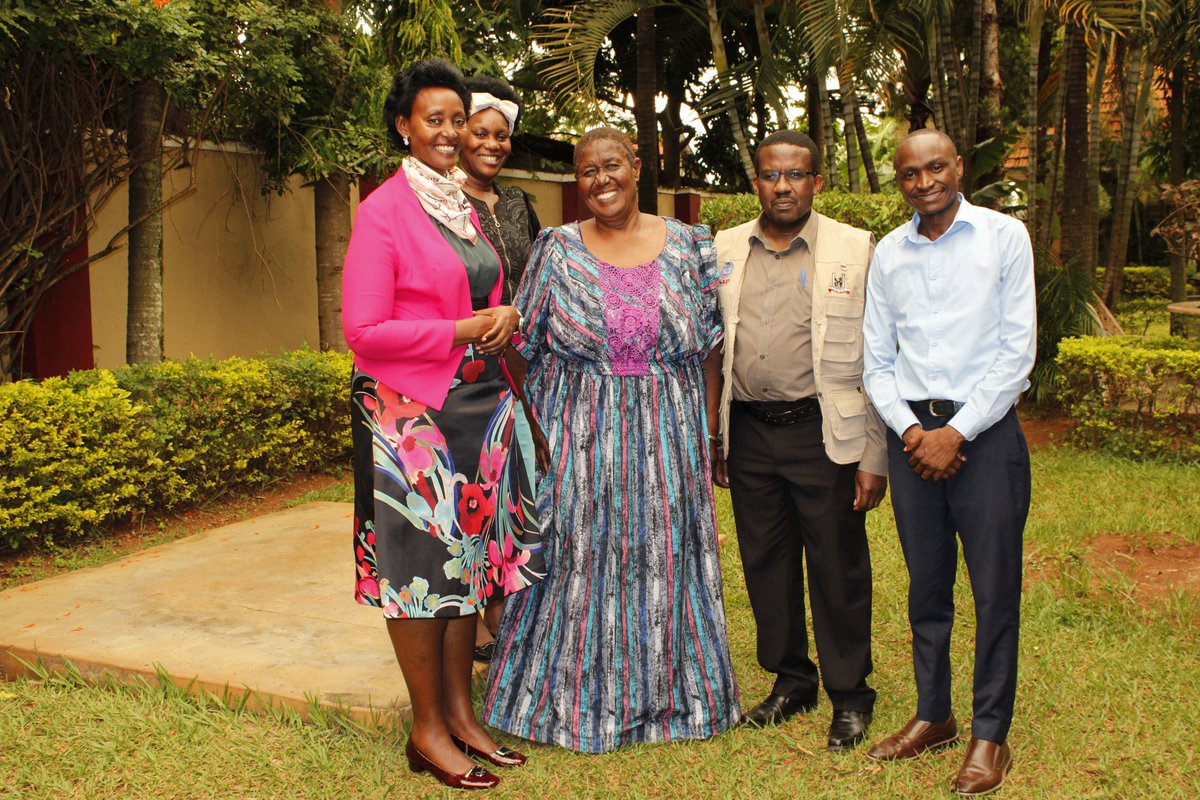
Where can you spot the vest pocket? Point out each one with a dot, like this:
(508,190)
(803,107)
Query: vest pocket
(841,351)
(850,420)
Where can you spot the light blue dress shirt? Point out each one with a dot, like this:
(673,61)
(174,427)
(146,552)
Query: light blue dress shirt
(951,319)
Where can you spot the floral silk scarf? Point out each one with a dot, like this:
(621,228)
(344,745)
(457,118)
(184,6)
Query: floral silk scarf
(441,196)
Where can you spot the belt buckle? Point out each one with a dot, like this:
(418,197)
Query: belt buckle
(934,405)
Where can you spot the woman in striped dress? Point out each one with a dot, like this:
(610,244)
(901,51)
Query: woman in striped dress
(624,640)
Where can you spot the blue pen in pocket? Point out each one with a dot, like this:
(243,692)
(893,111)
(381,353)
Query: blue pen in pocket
(803,277)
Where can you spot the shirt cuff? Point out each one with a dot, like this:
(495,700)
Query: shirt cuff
(967,422)
(906,419)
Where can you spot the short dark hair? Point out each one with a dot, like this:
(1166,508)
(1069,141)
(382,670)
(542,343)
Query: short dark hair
(795,138)
(496,88)
(611,134)
(431,73)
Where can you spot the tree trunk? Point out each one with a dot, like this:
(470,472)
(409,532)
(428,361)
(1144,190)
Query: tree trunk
(331,208)
(915,83)
(830,151)
(644,112)
(761,116)
(991,85)
(1138,71)
(721,62)
(1052,180)
(849,102)
(672,133)
(1031,121)
(144,325)
(1094,125)
(864,147)
(816,113)
(955,87)
(1077,224)
(973,81)
(941,114)
(765,52)
(1175,113)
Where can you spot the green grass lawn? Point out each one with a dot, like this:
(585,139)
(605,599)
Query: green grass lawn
(1107,702)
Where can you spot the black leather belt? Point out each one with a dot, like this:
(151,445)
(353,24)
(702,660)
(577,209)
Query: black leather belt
(780,413)
(936,408)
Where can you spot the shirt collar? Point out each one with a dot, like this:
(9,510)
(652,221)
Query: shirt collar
(966,214)
(806,234)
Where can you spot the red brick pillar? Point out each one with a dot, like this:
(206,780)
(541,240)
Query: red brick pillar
(687,207)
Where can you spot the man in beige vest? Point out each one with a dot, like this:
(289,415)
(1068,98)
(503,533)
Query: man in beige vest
(803,452)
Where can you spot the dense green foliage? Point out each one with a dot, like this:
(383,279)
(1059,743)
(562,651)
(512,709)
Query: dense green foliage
(1142,316)
(79,452)
(1065,308)
(1144,282)
(878,213)
(1132,396)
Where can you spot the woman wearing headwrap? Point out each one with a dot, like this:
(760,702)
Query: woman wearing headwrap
(508,221)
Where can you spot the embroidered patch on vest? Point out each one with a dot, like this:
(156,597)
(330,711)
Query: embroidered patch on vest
(837,285)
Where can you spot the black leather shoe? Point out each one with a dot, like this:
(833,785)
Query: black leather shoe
(848,729)
(776,708)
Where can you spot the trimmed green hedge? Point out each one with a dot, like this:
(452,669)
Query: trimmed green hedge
(78,452)
(1144,282)
(1137,315)
(878,213)
(1133,397)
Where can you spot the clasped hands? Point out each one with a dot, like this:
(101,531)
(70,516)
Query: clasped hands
(501,323)
(934,454)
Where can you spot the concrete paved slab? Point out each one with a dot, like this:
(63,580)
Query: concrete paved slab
(263,606)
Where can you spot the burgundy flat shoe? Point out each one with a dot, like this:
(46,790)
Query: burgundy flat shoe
(502,757)
(474,778)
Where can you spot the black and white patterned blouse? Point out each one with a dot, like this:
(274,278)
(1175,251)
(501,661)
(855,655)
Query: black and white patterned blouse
(512,231)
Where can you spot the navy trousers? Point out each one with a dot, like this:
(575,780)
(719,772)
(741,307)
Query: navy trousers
(986,505)
(793,507)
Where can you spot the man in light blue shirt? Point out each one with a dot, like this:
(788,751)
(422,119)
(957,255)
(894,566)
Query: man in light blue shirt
(950,332)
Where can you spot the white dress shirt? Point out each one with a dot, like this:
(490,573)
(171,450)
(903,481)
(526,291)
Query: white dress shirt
(951,319)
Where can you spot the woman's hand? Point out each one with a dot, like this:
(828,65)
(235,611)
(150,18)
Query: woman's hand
(541,447)
(504,320)
(719,466)
(469,330)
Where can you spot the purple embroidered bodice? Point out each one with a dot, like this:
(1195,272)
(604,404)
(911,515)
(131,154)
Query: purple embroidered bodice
(631,315)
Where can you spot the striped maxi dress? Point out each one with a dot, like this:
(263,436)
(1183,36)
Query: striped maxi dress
(624,640)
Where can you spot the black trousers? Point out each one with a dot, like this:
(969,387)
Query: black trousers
(793,506)
(986,504)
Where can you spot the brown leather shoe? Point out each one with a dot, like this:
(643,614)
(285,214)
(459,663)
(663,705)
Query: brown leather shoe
(984,768)
(915,738)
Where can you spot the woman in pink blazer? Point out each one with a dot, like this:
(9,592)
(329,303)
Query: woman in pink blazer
(444,518)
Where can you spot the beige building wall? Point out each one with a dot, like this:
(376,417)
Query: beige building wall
(545,190)
(239,268)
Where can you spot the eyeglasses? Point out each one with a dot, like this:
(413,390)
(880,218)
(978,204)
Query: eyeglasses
(792,175)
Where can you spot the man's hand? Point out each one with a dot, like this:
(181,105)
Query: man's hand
(720,468)
(868,490)
(935,454)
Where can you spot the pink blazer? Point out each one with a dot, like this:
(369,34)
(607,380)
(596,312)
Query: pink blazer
(403,287)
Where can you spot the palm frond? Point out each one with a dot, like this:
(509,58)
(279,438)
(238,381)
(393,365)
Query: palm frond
(571,38)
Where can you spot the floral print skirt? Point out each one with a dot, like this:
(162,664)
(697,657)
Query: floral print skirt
(443,506)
